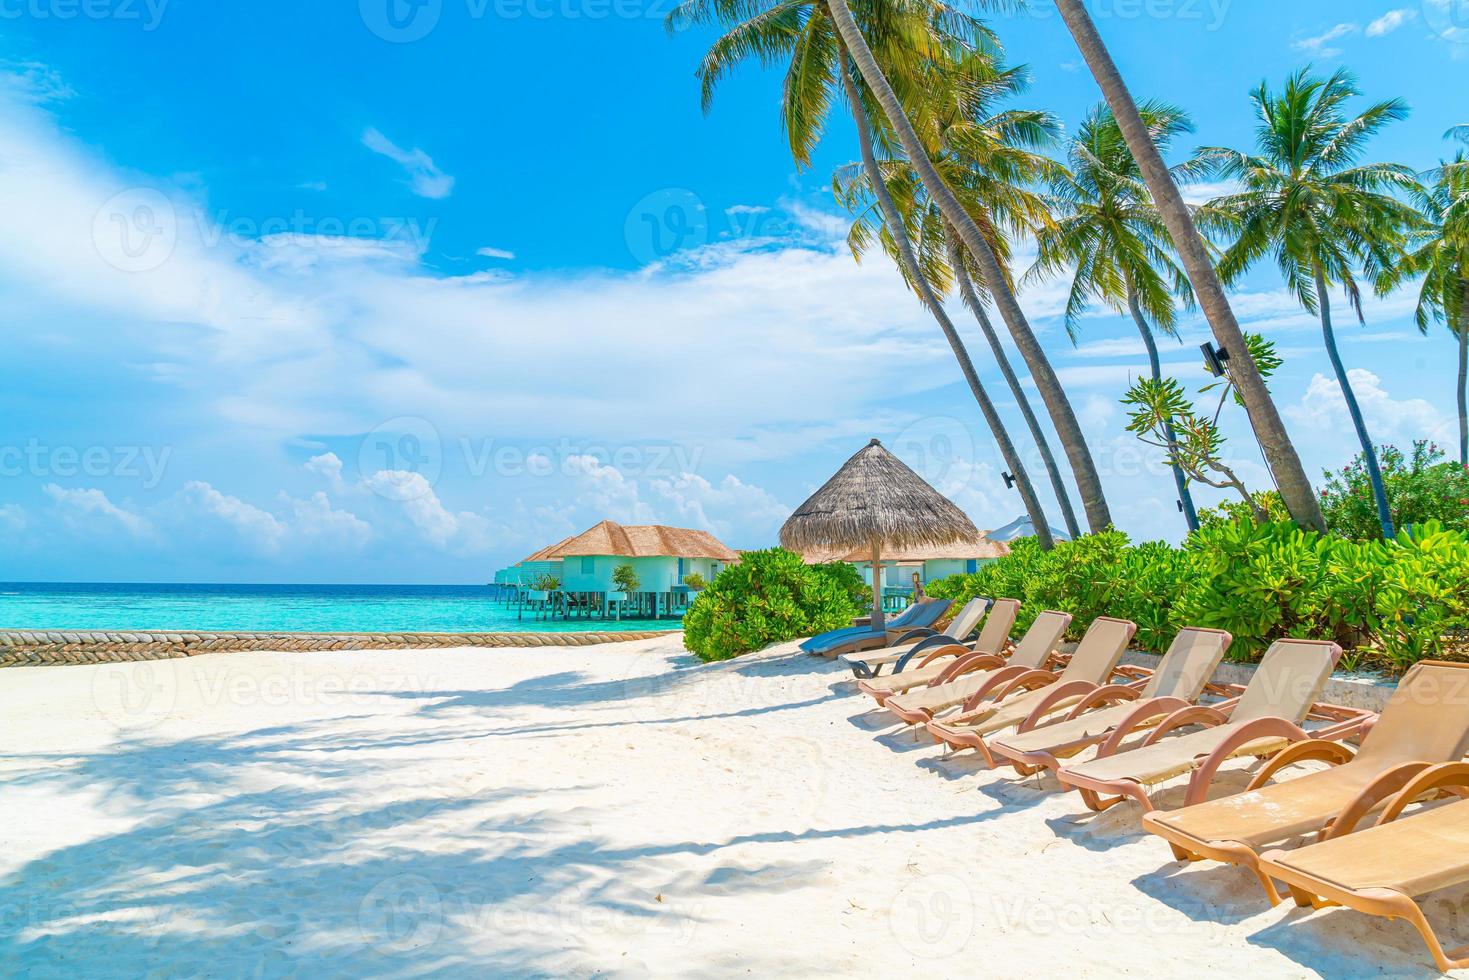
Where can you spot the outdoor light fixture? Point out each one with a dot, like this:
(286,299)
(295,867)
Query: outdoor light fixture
(1214,359)
(1009,480)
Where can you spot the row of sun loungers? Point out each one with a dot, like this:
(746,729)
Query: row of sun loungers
(1028,707)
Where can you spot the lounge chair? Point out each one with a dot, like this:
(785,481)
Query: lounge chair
(863,625)
(1033,694)
(973,681)
(915,641)
(1263,720)
(986,653)
(1118,711)
(1426,722)
(924,613)
(1383,870)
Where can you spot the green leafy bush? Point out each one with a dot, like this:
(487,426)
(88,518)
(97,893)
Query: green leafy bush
(545,583)
(1421,487)
(625,579)
(769,597)
(695,581)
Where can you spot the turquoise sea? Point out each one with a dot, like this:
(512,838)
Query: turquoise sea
(286,608)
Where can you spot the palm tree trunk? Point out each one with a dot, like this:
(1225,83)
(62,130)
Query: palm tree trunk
(1185,498)
(1280,453)
(972,300)
(1067,428)
(1369,452)
(914,270)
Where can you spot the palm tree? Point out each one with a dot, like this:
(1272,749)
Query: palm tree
(989,159)
(1062,415)
(1112,240)
(1440,254)
(1280,453)
(802,33)
(1307,203)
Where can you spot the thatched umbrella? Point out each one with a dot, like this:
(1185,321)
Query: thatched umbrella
(874,502)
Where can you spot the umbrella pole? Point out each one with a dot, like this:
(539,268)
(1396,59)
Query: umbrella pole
(877,617)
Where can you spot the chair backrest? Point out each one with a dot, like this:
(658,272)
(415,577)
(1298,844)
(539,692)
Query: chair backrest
(1288,681)
(967,620)
(1039,642)
(1188,664)
(1099,650)
(997,626)
(1426,719)
(929,612)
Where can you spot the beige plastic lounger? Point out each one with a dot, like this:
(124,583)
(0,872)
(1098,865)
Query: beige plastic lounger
(1091,667)
(1426,722)
(973,681)
(914,642)
(1262,721)
(986,653)
(1383,869)
(1116,712)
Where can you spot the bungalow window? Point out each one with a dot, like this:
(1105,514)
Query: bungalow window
(588,565)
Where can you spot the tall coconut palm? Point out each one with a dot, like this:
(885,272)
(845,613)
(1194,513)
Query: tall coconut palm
(1111,242)
(1308,203)
(1068,429)
(1280,453)
(1439,253)
(989,158)
(914,39)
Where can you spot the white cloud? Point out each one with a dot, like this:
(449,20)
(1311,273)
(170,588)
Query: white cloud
(426,179)
(258,528)
(463,532)
(93,504)
(317,520)
(13,519)
(693,501)
(1319,45)
(495,253)
(1388,419)
(1391,21)
(328,466)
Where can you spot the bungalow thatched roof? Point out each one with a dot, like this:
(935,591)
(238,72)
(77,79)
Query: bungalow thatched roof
(980,548)
(875,498)
(638,541)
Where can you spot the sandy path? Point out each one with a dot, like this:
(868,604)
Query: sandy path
(609,811)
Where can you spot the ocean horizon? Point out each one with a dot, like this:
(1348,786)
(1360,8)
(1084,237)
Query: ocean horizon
(280,607)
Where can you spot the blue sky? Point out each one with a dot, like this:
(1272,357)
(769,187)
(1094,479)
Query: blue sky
(305,292)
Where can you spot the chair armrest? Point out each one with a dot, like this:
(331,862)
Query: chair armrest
(968,664)
(920,633)
(1387,784)
(1142,712)
(929,654)
(1243,734)
(1318,749)
(1104,695)
(998,675)
(1031,680)
(1194,714)
(1445,775)
(1136,673)
(1052,698)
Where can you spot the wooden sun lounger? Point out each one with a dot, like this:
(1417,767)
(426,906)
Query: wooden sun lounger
(1426,722)
(915,641)
(1266,718)
(1383,869)
(1033,654)
(1116,712)
(986,653)
(1039,693)
(927,612)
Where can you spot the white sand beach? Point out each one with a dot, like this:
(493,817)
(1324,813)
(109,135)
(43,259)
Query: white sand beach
(600,811)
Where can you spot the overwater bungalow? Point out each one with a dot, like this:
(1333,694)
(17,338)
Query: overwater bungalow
(661,557)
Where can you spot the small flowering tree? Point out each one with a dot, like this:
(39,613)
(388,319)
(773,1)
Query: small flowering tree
(1421,487)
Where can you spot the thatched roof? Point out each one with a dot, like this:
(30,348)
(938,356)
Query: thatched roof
(875,496)
(980,548)
(637,541)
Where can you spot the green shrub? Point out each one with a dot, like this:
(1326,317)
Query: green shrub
(1419,488)
(769,597)
(695,581)
(625,579)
